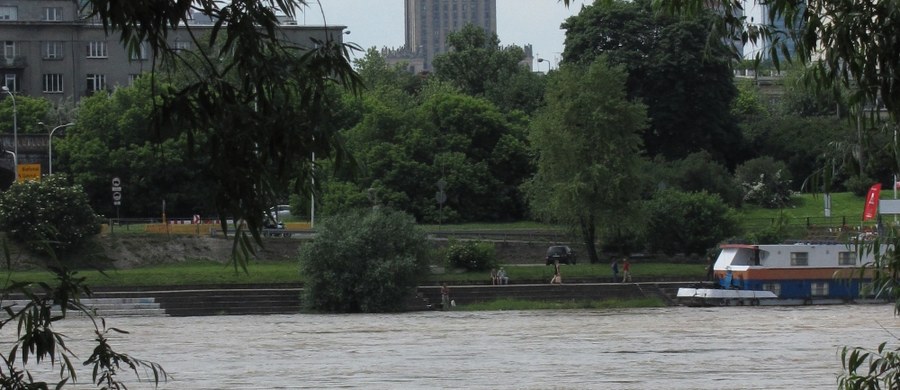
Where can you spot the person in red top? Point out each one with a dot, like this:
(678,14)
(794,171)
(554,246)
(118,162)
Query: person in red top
(626,270)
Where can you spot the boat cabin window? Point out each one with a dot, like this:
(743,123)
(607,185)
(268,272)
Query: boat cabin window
(775,288)
(819,289)
(747,257)
(799,258)
(846,258)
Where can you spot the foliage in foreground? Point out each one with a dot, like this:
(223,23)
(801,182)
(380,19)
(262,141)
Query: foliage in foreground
(365,260)
(865,369)
(48,212)
(34,340)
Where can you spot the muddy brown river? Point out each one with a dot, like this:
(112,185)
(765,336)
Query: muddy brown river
(660,348)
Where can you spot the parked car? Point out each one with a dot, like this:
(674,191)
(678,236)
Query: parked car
(563,253)
(281,211)
(272,227)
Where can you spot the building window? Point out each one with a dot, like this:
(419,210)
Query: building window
(11,81)
(140,54)
(53,83)
(133,77)
(9,13)
(95,82)
(96,49)
(53,50)
(53,14)
(847,258)
(9,49)
(819,289)
(799,258)
(182,45)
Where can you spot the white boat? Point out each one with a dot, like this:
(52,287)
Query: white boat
(803,273)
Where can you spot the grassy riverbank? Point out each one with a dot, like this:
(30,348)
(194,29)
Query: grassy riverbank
(209,273)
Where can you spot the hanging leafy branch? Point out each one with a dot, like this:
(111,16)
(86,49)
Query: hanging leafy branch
(259,102)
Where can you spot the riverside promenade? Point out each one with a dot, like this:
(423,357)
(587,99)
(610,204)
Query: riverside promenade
(210,300)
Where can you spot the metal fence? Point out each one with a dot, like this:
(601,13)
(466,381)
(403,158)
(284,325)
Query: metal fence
(838,222)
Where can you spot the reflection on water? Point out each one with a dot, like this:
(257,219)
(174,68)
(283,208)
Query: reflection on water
(664,348)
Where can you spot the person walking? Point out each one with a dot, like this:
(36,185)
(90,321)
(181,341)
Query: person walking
(626,270)
(445,297)
(614,266)
(557,277)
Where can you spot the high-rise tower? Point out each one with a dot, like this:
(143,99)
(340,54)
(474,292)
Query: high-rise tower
(429,21)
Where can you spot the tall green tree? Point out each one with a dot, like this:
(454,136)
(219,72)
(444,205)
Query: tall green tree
(688,92)
(112,138)
(845,43)
(588,143)
(476,60)
(30,111)
(406,145)
(479,66)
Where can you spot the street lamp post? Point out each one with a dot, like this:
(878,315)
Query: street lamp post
(548,64)
(50,147)
(15,133)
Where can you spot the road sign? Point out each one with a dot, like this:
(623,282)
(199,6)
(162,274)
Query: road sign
(116,191)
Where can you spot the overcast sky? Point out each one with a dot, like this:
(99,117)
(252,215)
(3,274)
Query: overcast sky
(379,23)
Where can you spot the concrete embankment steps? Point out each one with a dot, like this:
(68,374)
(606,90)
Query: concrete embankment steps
(221,300)
(125,306)
(108,307)
(286,299)
(230,302)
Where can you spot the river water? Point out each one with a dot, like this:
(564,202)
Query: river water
(658,348)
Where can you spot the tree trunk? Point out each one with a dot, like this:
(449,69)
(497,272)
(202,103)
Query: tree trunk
(588,234)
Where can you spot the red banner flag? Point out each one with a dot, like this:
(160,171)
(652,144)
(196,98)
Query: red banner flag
(872,202)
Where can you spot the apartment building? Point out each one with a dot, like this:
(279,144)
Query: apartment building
(428,22)
(51,49)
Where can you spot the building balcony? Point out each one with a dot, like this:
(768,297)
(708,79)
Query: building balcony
(15,62)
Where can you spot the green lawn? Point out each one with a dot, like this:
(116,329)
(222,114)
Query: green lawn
(194,273)
(811,208)
(205,273)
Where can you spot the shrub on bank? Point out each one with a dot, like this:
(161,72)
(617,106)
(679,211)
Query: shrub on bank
(48,213)
(471,255)
(363,261)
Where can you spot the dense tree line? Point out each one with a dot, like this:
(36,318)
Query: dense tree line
(259,110)
(405,138)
